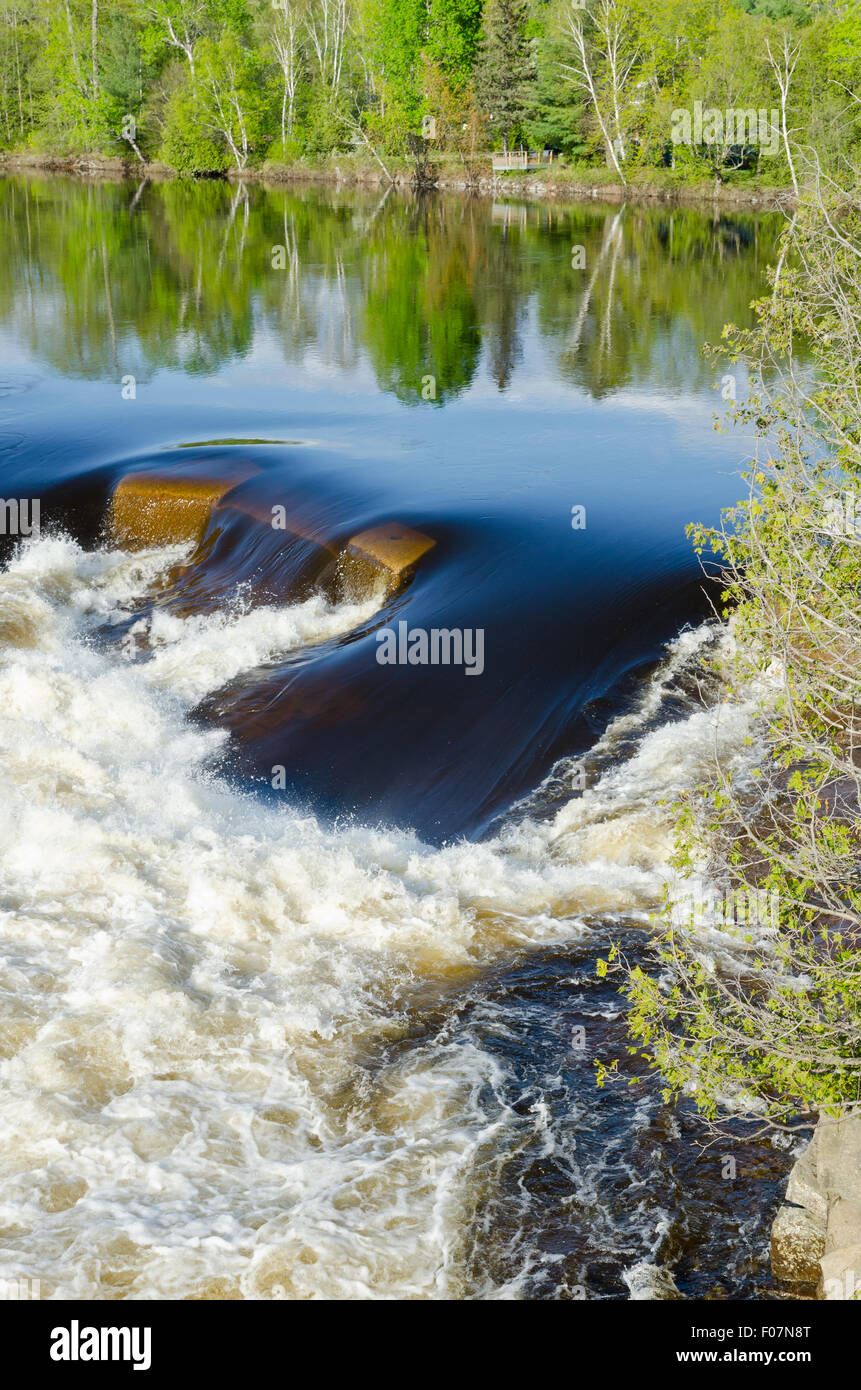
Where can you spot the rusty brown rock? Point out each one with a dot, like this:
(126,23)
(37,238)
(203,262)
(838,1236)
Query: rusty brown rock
(382,555)
(393,546)
(173,505)
(797,1246)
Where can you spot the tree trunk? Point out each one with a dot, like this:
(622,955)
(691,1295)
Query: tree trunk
(94,27)
(18,74)
(74,51)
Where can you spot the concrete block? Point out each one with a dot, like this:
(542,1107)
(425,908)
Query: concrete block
(393,547)
(171,505)
(380,557)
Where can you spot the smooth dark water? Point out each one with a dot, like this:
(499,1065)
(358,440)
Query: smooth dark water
(432,1014)
(555,387)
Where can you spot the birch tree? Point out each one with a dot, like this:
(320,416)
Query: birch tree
(604,54)
(327,23)
(229,80)
(783,62)
(181,23)
(285,37)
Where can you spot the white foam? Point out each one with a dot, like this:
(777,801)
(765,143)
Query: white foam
(195,984)
(648,1282)
(195,655)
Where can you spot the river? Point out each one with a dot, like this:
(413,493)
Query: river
(298,975)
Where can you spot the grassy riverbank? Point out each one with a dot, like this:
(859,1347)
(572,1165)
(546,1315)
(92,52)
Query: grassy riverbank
(571,183)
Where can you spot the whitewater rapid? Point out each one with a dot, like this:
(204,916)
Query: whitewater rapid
(198,986)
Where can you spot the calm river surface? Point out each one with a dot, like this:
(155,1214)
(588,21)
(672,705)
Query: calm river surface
(298,945)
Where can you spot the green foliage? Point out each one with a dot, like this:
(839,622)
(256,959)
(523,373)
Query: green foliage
(777,1028)
(324,129)
(505,68)
(186,144)
(361,71)
(554,118)
(453,31)
(396,32)
(123,72)
(230,99)
(796,10)
(285,151)
(843,46)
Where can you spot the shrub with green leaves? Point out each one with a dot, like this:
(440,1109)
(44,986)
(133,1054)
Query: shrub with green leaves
(284,151)
(187,146)
(777,1027)
(324,129)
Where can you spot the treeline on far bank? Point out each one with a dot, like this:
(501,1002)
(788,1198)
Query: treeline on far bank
(206,85)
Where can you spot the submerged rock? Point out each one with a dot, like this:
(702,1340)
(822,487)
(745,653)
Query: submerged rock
(648,1282)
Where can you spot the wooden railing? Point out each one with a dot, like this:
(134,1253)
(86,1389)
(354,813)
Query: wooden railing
(521,159)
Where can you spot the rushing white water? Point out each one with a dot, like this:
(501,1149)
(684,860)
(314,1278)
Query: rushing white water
(197,986)
(195,655)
